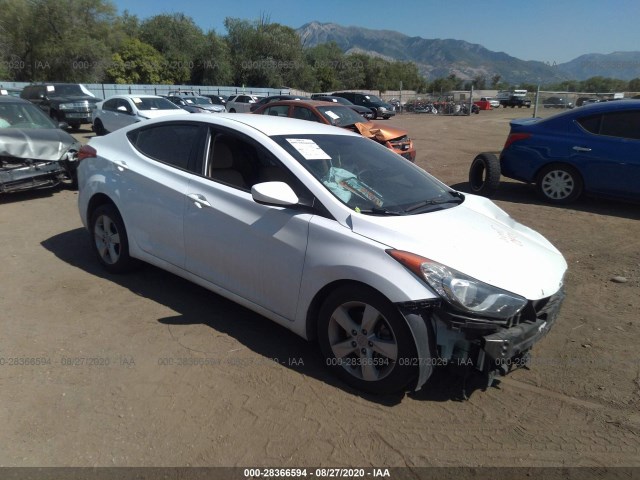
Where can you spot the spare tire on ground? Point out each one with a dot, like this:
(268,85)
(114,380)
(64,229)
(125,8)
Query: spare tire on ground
(484,174)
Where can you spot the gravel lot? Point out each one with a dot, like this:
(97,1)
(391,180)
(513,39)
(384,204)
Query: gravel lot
(149,370)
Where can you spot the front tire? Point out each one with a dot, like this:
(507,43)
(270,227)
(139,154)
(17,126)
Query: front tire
(109,239)
(484,174)
(98,127)
(366,341)
(559,184)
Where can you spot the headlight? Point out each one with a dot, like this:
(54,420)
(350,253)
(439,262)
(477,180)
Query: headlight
(65,106)
(460,290)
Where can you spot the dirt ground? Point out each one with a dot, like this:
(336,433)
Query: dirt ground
(149,370)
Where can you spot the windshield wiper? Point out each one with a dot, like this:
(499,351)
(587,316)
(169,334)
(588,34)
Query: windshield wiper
(431,203)
(380,211)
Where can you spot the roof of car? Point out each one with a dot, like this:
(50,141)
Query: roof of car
(308,103)
(134,96)
(594,108)
(266,124)
(619,104)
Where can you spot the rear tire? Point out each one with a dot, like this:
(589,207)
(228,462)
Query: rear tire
(98,127)
(559,184)
(110,241)
(484,174)
(366,341)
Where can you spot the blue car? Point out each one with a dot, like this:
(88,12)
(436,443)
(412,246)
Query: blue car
(593,150)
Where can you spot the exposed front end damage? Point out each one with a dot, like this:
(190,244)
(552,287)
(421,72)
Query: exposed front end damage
(36,159)
(394,138)
(492,347)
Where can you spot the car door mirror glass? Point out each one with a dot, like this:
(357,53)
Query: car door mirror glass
(274,193)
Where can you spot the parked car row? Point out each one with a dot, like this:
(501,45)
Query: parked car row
(331,113)
(35,151)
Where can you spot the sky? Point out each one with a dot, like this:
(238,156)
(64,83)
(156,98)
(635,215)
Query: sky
(544,30)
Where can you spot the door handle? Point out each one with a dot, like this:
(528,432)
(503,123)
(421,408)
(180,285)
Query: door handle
(581,149)
(199,200)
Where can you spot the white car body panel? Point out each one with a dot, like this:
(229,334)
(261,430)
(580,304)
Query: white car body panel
(253,250)
(274,260)
(478,239)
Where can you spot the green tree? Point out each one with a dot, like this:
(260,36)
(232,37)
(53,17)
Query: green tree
(136,62)
(325,60)
(72,40)
(179,40)
(213,64)
(634,85)
(63,40)
(480,82)
(264,54)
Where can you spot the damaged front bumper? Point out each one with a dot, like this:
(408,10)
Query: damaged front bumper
(490,346)
(27,174)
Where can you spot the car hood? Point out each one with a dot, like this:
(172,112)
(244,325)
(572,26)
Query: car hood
(381,133)
(213,108)
(161,113)
(476,238)
(36,144)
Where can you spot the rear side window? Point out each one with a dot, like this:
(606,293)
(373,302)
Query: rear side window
(615,124)
(110,104)
(277,111)
(621,124)
(591,124)
(172,144)
(304,114)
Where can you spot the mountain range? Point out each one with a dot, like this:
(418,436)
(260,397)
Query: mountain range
(441,57)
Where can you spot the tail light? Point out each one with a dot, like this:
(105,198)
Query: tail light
(86,151)
(515,137)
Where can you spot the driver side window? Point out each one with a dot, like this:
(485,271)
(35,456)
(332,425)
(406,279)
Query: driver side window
(241,163)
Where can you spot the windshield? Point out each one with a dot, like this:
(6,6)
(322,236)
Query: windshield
(341,116)
(146,103)
(202,100)
(372,99)
(341,100)
(70,89)
(368,177)
(18,115)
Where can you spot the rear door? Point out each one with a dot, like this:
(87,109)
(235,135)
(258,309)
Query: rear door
(155,192)
(610,153)
(123,114)
(107,114)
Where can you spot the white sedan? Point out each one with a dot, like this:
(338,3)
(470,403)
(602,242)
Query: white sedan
(329,234)
(123,110)
(241,103)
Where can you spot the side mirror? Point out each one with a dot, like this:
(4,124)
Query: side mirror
(63,125)
(122,109)
(274,193)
